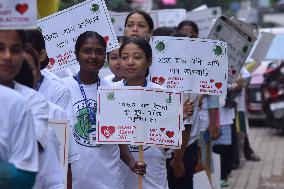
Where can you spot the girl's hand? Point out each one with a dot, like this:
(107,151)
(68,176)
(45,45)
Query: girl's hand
(138,168)
(188,108)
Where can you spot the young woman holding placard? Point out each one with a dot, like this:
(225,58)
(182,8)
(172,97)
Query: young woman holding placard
(99,166)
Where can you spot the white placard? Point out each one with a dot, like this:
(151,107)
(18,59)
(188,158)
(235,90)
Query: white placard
(61,130)
(204,19)
(169,17)
(142,116)
(239,44)
(61,30)
(18,14)
(190,64)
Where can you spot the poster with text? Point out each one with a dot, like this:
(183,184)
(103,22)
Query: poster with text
(239,43)
(61,130)
(169,17)
(204,19)
(61,30)
(136,115)
(190,64)
(18,14)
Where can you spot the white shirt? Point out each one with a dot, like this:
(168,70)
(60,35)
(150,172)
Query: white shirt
(154,157)
(39,109)
(18,143)
(227,115)
(99,167)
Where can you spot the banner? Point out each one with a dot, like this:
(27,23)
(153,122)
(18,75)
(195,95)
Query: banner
(61,130)
(204,19)
(18,14)
(136,115)
(240,43)
(190,64)
(61,30)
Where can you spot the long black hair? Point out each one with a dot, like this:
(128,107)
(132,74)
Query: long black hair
(147,17)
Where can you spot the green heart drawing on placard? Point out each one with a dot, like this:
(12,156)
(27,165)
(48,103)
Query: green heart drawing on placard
(95,8)
(214,12)
(160,46)
(112,20)
(110,96)
(219,28)
(218,51)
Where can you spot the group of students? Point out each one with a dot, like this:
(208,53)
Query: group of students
(31,95)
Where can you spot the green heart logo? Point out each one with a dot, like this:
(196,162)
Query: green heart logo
(218,50)
(214,12)
(110,96)
(112,20)
(95,8)
(245,49)
(160,46)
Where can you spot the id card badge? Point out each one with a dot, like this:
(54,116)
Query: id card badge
(93,138)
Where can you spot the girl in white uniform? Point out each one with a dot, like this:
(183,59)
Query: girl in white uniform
(99,166)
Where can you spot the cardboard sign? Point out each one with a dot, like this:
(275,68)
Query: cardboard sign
(142,116)
(169,17)
(61,30)
(18,14)
(240,43)
(204,19)
(61,130)
(190,64)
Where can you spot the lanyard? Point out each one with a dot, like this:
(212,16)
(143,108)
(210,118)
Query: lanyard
(90,111)
(145,83)
(39,82)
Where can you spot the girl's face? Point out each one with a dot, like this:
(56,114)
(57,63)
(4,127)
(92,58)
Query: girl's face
(134,62)
(11,55)
(136,25)
(33,67)
(114,63)
(91,55)
(188,31)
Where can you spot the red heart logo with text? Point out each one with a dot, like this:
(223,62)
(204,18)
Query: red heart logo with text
(162,129)
(211,80)
(170,134)
(107,131)
(158,80)
(106,38)
(51,63)
(219,85)
(22,8)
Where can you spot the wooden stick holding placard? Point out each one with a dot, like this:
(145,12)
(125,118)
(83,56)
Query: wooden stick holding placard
(141,160)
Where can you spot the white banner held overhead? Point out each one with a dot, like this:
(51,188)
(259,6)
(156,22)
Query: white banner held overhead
(61,30)
(18,14)
(143,116)
(190,64)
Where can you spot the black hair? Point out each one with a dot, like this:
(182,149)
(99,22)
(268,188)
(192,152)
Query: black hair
(188,23)
(142,44)
(147,17)
(83,38)
(163,31)
(25,75)
(36,40)
(28,49)
(120,39)
(178,33)
(21,34)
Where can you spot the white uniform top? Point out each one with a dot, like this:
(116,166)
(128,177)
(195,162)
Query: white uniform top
(17,134)
(154,157)
(50,175)
(227,115)
(39,109)
(99,167)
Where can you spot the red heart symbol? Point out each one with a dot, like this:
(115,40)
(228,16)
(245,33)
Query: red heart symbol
(162,129)
(51,61)
(106,38)
(107,131)
(158,80)
(211,80)
(170,134)
(218,85)
(22,8)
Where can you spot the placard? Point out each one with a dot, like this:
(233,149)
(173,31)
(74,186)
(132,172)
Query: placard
(61,30)
(239,42)
(143,116)
(18,14)
(190,64)
(204,19)
(61,130)
(169,17)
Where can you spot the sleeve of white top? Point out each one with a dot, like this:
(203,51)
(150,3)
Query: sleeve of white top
(23,143)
